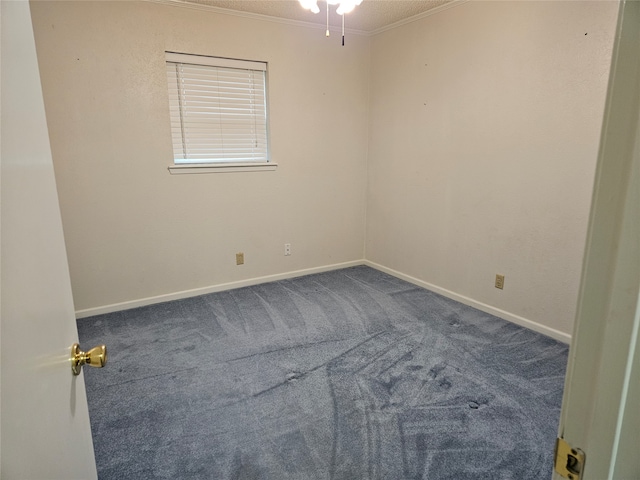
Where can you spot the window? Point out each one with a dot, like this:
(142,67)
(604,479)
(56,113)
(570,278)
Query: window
(218,110)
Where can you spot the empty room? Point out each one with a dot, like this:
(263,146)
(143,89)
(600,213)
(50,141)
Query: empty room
(334,240)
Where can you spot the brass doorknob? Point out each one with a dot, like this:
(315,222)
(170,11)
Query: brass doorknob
(96,357)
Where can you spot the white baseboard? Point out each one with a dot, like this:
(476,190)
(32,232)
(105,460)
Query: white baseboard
(518,320)
(116,307)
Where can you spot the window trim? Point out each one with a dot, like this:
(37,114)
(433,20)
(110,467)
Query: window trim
(224,166)
(179,169)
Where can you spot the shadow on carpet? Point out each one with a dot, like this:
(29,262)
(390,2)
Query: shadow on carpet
(346,375)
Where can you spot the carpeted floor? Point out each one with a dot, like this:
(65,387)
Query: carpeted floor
(345,375)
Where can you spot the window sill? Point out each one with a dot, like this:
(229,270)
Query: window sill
(221,168)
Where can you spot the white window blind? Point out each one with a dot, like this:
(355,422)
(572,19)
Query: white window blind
(218,109)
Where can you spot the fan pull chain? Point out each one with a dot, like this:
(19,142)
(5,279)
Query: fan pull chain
(328,20)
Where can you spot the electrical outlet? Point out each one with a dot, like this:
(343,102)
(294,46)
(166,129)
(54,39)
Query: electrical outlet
(240,258)
(287,249)
(499,281)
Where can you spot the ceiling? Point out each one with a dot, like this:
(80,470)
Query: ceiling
(370,16)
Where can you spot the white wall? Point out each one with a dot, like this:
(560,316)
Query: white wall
(484,136)
(469,137)
(134,231)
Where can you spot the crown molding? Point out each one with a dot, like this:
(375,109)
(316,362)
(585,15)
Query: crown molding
(300,23)
(255,16)
(420,16)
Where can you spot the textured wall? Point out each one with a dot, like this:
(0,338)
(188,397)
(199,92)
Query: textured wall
(484,136)
(133,230)
(476,130)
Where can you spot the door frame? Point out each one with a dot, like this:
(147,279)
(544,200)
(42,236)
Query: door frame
(598,383)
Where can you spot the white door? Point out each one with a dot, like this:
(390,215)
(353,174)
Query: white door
(600,412)
(44,428)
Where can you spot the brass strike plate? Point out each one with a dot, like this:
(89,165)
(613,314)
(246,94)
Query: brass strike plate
(569,461)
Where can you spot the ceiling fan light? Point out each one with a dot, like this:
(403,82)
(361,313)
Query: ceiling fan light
(345,7)
(310,5)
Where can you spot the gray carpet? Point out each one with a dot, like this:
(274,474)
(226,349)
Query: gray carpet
(346,375)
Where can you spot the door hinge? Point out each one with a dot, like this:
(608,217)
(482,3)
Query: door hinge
(569,461)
